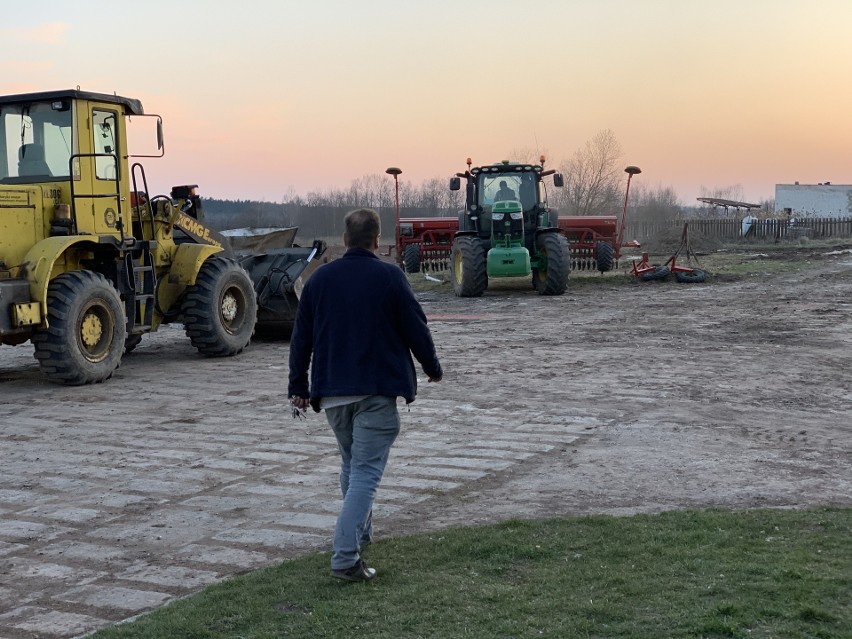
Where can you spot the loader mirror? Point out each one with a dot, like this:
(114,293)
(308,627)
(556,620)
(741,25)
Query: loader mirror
(455,184)
(558,180)
(159,134)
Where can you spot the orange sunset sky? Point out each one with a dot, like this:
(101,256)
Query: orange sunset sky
(264,99)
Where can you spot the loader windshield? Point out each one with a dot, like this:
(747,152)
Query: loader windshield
(36,142)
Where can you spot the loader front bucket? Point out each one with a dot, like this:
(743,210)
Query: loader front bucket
(278,269)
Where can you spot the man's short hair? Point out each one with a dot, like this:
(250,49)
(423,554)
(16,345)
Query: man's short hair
(362,228)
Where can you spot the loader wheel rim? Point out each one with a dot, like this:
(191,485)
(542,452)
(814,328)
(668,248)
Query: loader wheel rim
(458,269)
(232,308)
(94,334)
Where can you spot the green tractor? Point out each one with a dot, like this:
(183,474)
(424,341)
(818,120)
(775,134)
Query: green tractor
(507,230)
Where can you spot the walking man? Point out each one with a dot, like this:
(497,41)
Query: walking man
(357,325)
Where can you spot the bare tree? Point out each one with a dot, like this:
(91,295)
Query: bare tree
(593,177)
(528,155)
(653,205)
(732,192)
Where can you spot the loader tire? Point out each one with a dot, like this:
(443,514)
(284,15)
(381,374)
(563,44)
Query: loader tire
(695,277)
(604,256)
(220,309)
(553,278)
(468,267)
(86,330)
(411,258)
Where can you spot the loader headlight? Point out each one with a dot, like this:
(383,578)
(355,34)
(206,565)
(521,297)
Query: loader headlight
(517,215)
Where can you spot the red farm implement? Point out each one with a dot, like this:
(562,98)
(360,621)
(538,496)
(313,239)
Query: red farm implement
(659,272)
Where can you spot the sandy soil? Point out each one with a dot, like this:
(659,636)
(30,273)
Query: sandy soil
(613,398)
(729,393)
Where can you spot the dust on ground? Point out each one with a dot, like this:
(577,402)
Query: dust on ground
(617,397)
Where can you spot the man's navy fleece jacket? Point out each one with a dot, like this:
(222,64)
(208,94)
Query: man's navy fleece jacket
(357,325)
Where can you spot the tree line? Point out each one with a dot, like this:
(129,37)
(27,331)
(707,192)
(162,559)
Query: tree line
(594,185)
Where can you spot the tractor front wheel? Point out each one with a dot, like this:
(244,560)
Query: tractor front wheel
(411,258)
(468,267)
(553,252)
(86,330)
(220,309)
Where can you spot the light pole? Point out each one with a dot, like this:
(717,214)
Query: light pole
(395,172)
(631,171)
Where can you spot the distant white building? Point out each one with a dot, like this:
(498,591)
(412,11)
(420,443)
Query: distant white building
(813,200)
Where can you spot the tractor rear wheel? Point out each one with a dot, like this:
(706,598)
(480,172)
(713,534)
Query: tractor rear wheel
(553,251)
(411,258)
(220,309)
(468,267)
(86,330)
(604,256)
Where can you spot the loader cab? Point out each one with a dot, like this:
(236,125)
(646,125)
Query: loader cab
(72,144)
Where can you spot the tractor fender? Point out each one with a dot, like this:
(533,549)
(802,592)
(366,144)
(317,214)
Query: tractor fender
(40,262)
(184,268)
(549,229)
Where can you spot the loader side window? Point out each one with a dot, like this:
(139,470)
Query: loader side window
(105,141)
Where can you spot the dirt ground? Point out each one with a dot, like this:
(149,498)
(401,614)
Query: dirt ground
(618,397)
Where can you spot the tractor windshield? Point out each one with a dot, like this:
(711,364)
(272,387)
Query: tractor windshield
(497,187)
(36,142)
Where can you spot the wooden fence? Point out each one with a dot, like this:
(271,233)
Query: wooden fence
(760,230)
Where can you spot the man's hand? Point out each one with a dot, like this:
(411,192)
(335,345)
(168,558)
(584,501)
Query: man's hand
(301,403)
(300,406)
(435,379)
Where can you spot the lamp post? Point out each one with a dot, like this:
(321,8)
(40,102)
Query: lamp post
(631,171)
(395,172)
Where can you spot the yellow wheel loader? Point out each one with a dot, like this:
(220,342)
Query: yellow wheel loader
(89,262)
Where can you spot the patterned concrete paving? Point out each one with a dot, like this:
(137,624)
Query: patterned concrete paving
(180,471)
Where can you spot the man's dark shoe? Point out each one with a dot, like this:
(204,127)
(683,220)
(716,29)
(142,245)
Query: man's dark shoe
(358,572)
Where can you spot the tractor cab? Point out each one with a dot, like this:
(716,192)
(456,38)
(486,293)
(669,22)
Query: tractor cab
(507,181)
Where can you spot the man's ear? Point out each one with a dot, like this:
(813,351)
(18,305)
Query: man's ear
(345,239)
(376,242)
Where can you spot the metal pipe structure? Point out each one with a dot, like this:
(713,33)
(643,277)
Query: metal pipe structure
(395,172)
(631,171)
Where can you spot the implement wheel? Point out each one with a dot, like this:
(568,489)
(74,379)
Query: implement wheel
(87,328)
(220,310)
(468,267)
(411,258)
(604,256)
(553,278)
(659,274)
(694,277)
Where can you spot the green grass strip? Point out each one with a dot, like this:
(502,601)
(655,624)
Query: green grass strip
(701,574)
